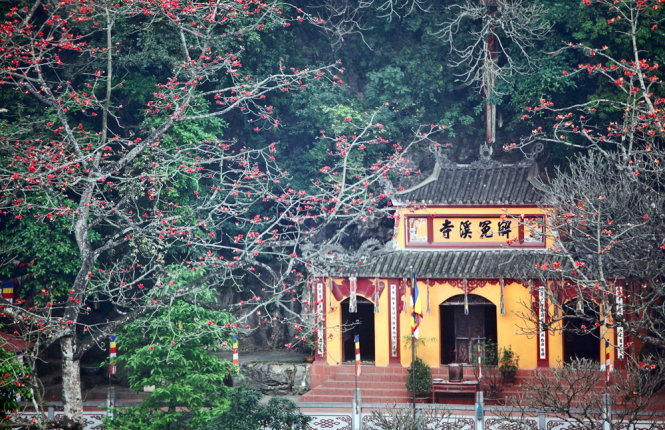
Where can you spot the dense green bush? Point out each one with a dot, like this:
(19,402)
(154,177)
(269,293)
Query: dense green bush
(246,413)
(422,374)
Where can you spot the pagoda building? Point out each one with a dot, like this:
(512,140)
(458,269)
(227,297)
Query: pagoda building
(471,236)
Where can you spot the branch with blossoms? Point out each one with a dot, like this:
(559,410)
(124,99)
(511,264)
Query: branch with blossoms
(605,268)
(151,216)
(631,120)
(570,392)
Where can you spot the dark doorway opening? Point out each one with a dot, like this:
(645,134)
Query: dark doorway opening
(460,332)
(359,323)
(581,337)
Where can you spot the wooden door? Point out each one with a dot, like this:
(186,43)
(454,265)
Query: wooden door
(468,329)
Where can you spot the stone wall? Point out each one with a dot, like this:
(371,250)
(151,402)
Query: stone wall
(275,378)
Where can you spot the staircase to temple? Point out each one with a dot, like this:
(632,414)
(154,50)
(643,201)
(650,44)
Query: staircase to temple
(336,384)
(387,385)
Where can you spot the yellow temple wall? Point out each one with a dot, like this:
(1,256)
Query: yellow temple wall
(555,343)
(334,332)
(382,336)
(510,333)
(334,343)
(516,297)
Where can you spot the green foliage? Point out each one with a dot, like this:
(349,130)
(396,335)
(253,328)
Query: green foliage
(173,350)
(246,413)
(508,362)
(13,379)
(422,374)
(200,130)
(489,353)
(50,245)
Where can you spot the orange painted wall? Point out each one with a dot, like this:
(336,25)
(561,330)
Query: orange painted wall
(511,327)
(508,331)
(381,331)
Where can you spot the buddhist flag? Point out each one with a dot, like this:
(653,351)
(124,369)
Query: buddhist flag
(356,339)
(8,289)
(236,360)
(416,304)
(113,353)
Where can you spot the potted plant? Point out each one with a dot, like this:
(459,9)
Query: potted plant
(508,363)
(310,349)
(420,377)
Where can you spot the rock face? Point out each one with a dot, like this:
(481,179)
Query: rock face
(276,378)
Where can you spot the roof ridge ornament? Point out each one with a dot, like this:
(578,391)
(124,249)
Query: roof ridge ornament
(486,152)
(440,156)
(485,160)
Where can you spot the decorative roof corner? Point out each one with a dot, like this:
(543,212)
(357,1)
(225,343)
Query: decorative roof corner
(326,259)
(440,156)
(534,176)
(387,185)
(441,161)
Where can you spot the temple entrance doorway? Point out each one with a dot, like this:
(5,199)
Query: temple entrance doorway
(359,323)
(581,337)
(462,331)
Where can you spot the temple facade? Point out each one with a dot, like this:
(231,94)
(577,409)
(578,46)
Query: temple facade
(472,237)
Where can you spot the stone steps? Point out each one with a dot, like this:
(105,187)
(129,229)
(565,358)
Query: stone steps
(336,384)
(387,385)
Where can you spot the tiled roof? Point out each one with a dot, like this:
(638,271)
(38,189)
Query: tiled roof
(13,343)
(492,183)
(451,264)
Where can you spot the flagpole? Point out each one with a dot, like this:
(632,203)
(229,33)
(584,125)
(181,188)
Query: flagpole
(356,341)
(355,394)
(413,375)
(110,392)
(356,406)
(416,315)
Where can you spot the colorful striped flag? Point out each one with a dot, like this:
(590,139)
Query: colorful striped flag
(8,289)
(356,339)
(607,361)
(113,353)
(236,359)
(417,311)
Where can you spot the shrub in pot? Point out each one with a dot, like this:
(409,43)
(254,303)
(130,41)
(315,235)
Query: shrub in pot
(508,363)
(421,374)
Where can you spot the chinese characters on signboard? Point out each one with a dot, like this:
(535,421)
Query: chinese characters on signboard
(468,231)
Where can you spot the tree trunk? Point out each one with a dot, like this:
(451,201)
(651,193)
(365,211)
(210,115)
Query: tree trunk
(71,385)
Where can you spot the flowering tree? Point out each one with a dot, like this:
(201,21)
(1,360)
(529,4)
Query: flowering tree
(571,393)
(150,204)
(607,263)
